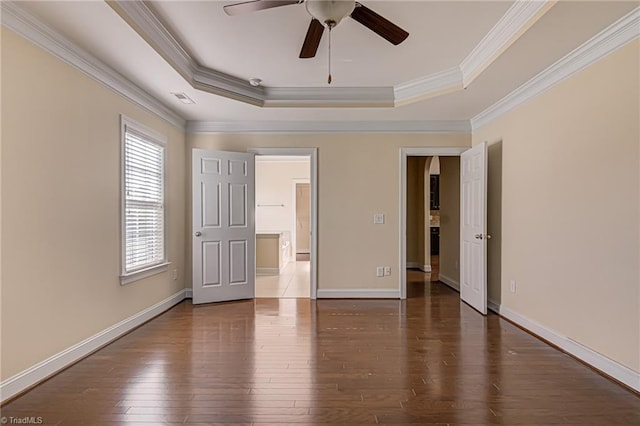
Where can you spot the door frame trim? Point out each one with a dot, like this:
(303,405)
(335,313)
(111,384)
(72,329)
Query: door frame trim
(406,152)
(312,153)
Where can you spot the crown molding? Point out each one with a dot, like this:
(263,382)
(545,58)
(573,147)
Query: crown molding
(298,127)
(515,22)
(141,17)
(31,28)
(429,86)
(146,23)
(329,97)
(612,38)
(143,20)
(215,82)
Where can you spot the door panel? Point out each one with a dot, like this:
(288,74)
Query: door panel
(473,228)
(238,262)
(210,205)
(223,226)
(211,263)
(238,205)
(210,166)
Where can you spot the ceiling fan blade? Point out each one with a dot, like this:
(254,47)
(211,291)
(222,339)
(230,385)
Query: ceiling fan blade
(312,40)
(379,25)
(255,5)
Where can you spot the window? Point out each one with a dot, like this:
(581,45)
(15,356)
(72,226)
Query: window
(143,202)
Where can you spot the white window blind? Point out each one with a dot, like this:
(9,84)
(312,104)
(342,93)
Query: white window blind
(144,227)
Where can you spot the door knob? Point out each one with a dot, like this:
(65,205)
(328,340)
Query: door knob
(478,236)
(198,234)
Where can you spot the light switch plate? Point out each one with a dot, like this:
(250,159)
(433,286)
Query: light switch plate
(378,218)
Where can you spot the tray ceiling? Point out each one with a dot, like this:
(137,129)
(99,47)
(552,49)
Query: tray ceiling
(421,79)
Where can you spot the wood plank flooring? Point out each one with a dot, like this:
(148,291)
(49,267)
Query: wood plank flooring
(424,361)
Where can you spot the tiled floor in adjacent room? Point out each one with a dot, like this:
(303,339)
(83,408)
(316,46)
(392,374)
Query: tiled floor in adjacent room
(293,282)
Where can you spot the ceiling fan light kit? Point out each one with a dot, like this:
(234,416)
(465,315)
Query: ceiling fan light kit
(327,13)
(330,12)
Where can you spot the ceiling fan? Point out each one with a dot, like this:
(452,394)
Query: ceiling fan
(327,14)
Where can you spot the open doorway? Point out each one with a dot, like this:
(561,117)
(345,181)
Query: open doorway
(430,215)
(423,214)
(283,226)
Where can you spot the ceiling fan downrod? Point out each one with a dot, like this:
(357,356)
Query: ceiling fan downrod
(330,25)
(327,14)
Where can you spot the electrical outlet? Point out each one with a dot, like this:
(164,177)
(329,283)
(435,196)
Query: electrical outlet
(378,218)
(174,274)
(379,271)
(387,270)
(513,286)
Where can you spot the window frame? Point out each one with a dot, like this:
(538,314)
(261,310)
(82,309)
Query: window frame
(127,277)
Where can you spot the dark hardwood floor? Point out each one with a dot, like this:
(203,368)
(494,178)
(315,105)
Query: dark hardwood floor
(427,360)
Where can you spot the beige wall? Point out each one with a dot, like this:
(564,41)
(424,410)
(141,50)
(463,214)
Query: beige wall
(434,166)
(60,207)
(570,231)
(358,176)
(274,185)
(450,218)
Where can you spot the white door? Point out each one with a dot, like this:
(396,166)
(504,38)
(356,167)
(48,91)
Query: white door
(473,227)
(223,226)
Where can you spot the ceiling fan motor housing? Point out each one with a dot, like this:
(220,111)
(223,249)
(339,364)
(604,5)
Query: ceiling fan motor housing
(330,12)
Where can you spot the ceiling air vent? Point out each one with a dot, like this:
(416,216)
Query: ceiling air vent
(182,97)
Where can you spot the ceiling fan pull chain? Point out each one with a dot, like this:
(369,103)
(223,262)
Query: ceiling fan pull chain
(329,79)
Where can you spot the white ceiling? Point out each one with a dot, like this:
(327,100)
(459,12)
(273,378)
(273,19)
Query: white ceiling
(266,44)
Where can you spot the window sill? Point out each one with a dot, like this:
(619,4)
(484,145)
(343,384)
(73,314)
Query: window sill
(144,273)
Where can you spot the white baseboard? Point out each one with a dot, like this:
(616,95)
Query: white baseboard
(267,271)
(494,306)
(39,372)
(416,265)
(364,293)
(608,366)
(449,281)
(188,293)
